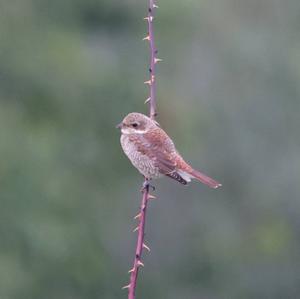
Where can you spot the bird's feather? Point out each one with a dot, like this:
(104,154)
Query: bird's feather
(175,175)
(157,146)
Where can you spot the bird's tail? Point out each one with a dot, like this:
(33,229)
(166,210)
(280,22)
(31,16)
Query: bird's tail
(205,179)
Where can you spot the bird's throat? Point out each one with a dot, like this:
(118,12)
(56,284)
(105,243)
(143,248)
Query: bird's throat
(128,131)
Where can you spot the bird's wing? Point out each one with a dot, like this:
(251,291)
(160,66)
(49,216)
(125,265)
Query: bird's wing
(158,147)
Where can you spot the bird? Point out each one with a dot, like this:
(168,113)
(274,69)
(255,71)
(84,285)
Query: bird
(153,153)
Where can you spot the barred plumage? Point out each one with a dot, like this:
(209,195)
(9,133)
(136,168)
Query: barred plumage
(153,152)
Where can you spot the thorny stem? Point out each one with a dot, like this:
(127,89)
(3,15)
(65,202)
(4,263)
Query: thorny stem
(153,53)
(140,243)
(146,195)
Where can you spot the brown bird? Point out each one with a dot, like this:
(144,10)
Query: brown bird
(153,152)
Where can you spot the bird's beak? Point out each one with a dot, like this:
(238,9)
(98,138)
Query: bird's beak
(119,126)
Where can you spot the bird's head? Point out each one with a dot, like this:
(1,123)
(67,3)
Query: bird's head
(136,123)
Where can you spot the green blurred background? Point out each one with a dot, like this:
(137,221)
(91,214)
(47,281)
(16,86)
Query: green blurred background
(228,94)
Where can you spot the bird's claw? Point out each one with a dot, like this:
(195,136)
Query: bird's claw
(147,186)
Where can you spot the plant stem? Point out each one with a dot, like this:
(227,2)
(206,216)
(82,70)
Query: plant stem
(140,243)
(146,195)
(153,53)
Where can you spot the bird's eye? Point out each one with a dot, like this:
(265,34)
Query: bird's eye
(134,125)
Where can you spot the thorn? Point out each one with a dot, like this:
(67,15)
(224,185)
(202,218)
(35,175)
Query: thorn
(140,264)
(152,78)
(150,196)
(148,82)
(138,216)
(155,6)
(147,37)
(156,60)
(149,18)
(147,100)
(126,287)
(136,229)
(131,270)
(146,247)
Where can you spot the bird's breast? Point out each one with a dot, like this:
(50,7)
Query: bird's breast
(141,161)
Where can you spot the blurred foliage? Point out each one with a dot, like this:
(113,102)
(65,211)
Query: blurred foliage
(228,94)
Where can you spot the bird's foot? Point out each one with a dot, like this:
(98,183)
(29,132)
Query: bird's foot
(147,186)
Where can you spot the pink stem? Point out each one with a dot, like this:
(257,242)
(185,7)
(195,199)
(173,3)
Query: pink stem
(140,244)
(153,53)
(146,196)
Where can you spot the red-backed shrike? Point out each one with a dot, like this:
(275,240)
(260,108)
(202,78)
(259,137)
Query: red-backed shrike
(153,152)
